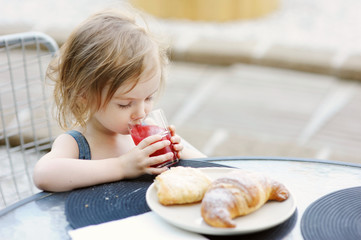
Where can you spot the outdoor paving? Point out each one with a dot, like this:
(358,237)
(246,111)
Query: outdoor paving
(259,111)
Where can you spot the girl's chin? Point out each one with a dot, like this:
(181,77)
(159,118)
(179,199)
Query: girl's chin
(125,132)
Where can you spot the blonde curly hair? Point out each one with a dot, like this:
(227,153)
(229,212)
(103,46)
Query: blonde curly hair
(107,49)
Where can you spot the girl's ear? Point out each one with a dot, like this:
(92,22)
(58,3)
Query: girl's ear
(82,99)
(87,102)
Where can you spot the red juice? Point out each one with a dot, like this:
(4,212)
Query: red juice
(139,132)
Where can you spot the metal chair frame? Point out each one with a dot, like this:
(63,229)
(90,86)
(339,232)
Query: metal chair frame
(25,110)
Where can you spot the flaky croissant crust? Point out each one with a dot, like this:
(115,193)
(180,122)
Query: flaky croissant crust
(237,194)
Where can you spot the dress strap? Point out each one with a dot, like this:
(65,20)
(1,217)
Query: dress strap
(83,145)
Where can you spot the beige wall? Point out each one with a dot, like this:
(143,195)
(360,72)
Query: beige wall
(209,10)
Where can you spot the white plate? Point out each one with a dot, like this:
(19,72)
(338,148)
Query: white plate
(188,216)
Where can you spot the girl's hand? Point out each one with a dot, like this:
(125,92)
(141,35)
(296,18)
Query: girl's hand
(138,160)
(176,140)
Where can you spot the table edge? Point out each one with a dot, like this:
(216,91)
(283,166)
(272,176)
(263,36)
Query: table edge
(265,158)
(24,201)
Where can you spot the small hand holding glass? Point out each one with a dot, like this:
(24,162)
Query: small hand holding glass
(155,124)
(140,160)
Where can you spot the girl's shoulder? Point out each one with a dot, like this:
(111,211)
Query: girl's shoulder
(64,138)
(65,145)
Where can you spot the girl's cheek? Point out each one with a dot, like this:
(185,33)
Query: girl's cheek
(149,107)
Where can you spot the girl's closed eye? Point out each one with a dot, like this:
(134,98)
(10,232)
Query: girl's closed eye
(124,106)
(149,99)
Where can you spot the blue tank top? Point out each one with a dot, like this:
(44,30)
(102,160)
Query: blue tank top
(84,149)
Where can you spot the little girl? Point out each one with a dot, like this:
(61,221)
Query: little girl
(107,73)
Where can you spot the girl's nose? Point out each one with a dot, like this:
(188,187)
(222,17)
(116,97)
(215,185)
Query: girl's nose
(139,113)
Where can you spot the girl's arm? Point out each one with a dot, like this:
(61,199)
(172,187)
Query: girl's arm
(190,151)
(61,170)
(185,150)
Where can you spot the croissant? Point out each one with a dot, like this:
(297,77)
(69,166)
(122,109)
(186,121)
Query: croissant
(181,185)
(237,194)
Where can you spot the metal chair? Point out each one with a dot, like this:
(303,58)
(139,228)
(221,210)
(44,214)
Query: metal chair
(26,125)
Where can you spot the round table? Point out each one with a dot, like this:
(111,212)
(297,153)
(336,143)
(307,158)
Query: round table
(42,216)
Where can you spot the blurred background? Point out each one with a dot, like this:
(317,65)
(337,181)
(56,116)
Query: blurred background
(247,77)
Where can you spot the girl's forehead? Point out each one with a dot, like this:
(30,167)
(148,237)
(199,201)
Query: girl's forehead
(147,82)
(146,86)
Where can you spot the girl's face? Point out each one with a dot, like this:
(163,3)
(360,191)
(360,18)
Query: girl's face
(127,105)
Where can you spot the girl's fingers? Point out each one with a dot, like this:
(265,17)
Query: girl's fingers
(171,130)
(149,140)
(160,159)
(156,171)
(178,147)
(175,139)
(149,146)
(156,146)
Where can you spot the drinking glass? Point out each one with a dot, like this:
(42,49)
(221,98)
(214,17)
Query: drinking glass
(154,123)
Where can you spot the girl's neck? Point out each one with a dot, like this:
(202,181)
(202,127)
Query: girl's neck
(94,130)
(104,143)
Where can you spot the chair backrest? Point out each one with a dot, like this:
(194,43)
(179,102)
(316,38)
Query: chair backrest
(26,124)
